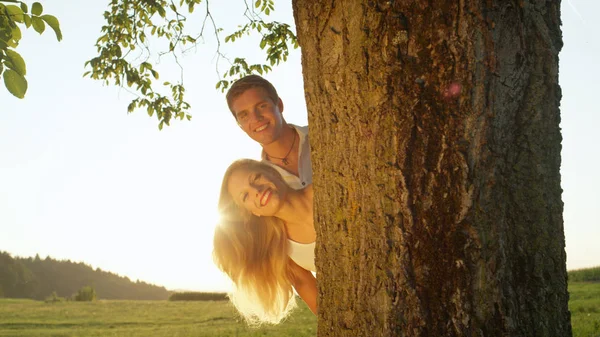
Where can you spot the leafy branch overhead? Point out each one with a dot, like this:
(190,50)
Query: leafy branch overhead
(141,25)
(15,15)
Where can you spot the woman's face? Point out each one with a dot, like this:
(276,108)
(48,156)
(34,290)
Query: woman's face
(257,190)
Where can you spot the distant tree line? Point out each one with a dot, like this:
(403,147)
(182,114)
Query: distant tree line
(198,296)
(38,278)
(85,294)
(585,275)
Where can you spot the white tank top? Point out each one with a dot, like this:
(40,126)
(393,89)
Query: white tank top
(303,254)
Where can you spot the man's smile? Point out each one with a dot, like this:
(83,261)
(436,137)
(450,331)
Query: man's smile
(262,127)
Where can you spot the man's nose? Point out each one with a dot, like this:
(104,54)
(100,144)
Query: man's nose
(256,116)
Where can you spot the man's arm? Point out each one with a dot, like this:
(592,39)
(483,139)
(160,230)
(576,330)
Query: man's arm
(305,284)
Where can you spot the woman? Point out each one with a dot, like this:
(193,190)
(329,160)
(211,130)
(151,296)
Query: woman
(265,241)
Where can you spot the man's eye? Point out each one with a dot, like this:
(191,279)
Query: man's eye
(243,116)
(244,197)
(257,176)
(264,105)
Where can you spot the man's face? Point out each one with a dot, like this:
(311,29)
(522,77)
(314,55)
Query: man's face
(258,115)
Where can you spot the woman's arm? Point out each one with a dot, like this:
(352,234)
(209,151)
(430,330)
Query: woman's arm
(305,284)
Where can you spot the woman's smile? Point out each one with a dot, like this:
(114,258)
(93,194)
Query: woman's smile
(265,197)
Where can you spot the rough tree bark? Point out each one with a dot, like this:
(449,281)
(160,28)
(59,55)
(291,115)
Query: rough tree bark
(435,134)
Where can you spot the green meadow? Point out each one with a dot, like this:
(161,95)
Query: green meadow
(584,304)
(28,318)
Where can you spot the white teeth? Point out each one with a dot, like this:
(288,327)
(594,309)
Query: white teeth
(265,197)
(261,128)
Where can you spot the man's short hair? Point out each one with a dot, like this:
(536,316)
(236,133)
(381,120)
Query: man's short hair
(248,82)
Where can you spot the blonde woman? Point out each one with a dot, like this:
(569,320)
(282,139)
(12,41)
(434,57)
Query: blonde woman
(265,241)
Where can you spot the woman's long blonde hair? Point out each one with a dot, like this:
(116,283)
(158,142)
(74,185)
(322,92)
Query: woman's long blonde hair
(253,251)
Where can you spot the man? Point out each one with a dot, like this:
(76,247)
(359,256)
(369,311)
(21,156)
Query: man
(258,110)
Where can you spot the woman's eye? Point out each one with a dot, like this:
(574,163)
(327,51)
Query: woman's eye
(257,176)
(245,197)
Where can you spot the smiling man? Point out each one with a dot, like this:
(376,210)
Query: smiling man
(258,110)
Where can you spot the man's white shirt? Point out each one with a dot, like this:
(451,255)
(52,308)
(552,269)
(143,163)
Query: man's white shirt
(304,164)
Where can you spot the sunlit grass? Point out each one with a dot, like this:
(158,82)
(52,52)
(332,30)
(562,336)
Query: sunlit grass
(139,318)
(20,318)
(584,304)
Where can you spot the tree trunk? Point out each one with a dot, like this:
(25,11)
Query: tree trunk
(435,137)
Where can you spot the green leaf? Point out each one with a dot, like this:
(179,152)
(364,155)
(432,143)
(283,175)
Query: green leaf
(257,4)
(53,23)
(16,34)
(15,83)
(16,62)
(27,20)
(14,11)
(36,8)
(38,24)
(24,7)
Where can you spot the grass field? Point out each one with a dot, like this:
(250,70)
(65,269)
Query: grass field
(584,304)
(27,318)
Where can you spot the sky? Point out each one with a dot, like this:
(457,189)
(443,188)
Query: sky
(81,179)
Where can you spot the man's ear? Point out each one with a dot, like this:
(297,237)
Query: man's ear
(280,105)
